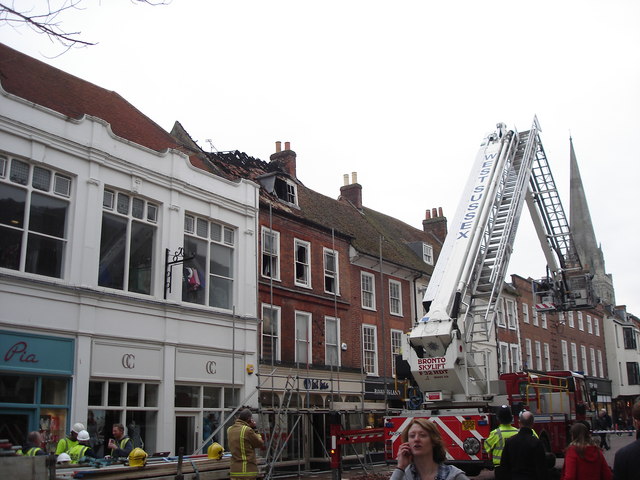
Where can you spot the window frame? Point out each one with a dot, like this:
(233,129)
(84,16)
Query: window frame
(278,338)
(510,313)
(304,265)
(538,354)
(427,253)
(222,238)
(565,354)
(304,318)
(396,347)
(31,238)
(114,212)
(571,319)
(274,256)
(335,275)
(574,357)
(373,330)
(368,294)
(528,352)
(525,313)
(327,344)
(547,356)
(585,363)
(397,300)
(514,351)
(580,322)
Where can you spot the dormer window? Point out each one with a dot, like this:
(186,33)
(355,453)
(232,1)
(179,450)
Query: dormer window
(285,190)
(427,254)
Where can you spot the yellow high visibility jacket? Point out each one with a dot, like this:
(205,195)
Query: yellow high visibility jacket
(76,453)
(494,444)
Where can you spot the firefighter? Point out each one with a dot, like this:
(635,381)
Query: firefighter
(494,444)
(243,439)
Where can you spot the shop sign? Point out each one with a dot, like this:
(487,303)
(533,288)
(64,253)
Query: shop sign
(315,384)
(376,391)
(36,353)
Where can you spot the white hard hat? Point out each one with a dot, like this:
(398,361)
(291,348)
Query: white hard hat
(63,458)
(83,435)
(77,427)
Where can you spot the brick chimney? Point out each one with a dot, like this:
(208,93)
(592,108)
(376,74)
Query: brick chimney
(351,192)
(435,223)
(285,159)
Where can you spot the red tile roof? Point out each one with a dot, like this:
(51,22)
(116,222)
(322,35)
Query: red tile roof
(50,87)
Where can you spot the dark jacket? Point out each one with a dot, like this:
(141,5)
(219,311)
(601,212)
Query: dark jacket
(125,446)
(523,457)
(591,466)
(243,441)
(626,465)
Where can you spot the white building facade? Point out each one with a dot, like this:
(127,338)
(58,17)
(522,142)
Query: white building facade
(92,329)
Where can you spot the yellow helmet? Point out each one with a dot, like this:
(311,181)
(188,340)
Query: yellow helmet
(215,450)
(137,457)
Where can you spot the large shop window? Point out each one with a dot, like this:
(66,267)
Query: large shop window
(126,242)
(34,206)
(33,403)
(203,414)
(208,278)
(133,404)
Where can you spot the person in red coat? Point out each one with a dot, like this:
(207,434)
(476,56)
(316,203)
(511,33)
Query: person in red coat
(583,460)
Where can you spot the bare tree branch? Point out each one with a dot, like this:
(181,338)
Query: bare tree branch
(44,19)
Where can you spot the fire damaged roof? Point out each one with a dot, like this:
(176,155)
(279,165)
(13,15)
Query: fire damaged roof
(363,227)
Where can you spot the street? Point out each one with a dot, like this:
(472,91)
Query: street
(382,471)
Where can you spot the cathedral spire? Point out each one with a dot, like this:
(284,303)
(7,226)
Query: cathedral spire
(584,236)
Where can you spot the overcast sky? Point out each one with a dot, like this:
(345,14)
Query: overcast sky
(400,92)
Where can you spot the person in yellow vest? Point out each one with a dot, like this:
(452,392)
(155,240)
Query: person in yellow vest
(82,450)
(120,445)
(71,440)
(494,444)
(243,439)
(32,446)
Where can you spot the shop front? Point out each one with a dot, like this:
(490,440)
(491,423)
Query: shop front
(35,386)
(124,388)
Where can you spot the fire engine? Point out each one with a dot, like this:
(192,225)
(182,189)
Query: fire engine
(451,352)
(557,399)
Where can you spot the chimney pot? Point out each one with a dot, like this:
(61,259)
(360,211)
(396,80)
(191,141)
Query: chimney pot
(427,214)
(434,212)
(346,179)
(354,177)
(440,212)
(278,147)
(287,145)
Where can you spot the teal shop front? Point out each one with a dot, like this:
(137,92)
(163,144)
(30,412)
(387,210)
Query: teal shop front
(35,386)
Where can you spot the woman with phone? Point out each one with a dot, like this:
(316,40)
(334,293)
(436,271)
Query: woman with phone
(422,454)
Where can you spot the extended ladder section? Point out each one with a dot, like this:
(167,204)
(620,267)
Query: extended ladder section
(494,254)
(568,286)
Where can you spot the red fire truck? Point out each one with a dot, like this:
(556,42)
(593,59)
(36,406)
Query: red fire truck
(557,399)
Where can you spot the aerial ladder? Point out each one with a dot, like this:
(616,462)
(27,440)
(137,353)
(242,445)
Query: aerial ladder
(450,350)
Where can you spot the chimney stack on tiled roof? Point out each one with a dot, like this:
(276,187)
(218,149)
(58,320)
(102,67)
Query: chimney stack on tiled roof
(352,192)
(435,223)
(285,159)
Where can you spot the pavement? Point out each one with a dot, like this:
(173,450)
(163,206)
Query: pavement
(383,471)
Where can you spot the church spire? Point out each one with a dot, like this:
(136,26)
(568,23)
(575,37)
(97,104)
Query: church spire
(584,236)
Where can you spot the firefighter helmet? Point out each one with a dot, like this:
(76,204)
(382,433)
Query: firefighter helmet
(137,457)
(215,451)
